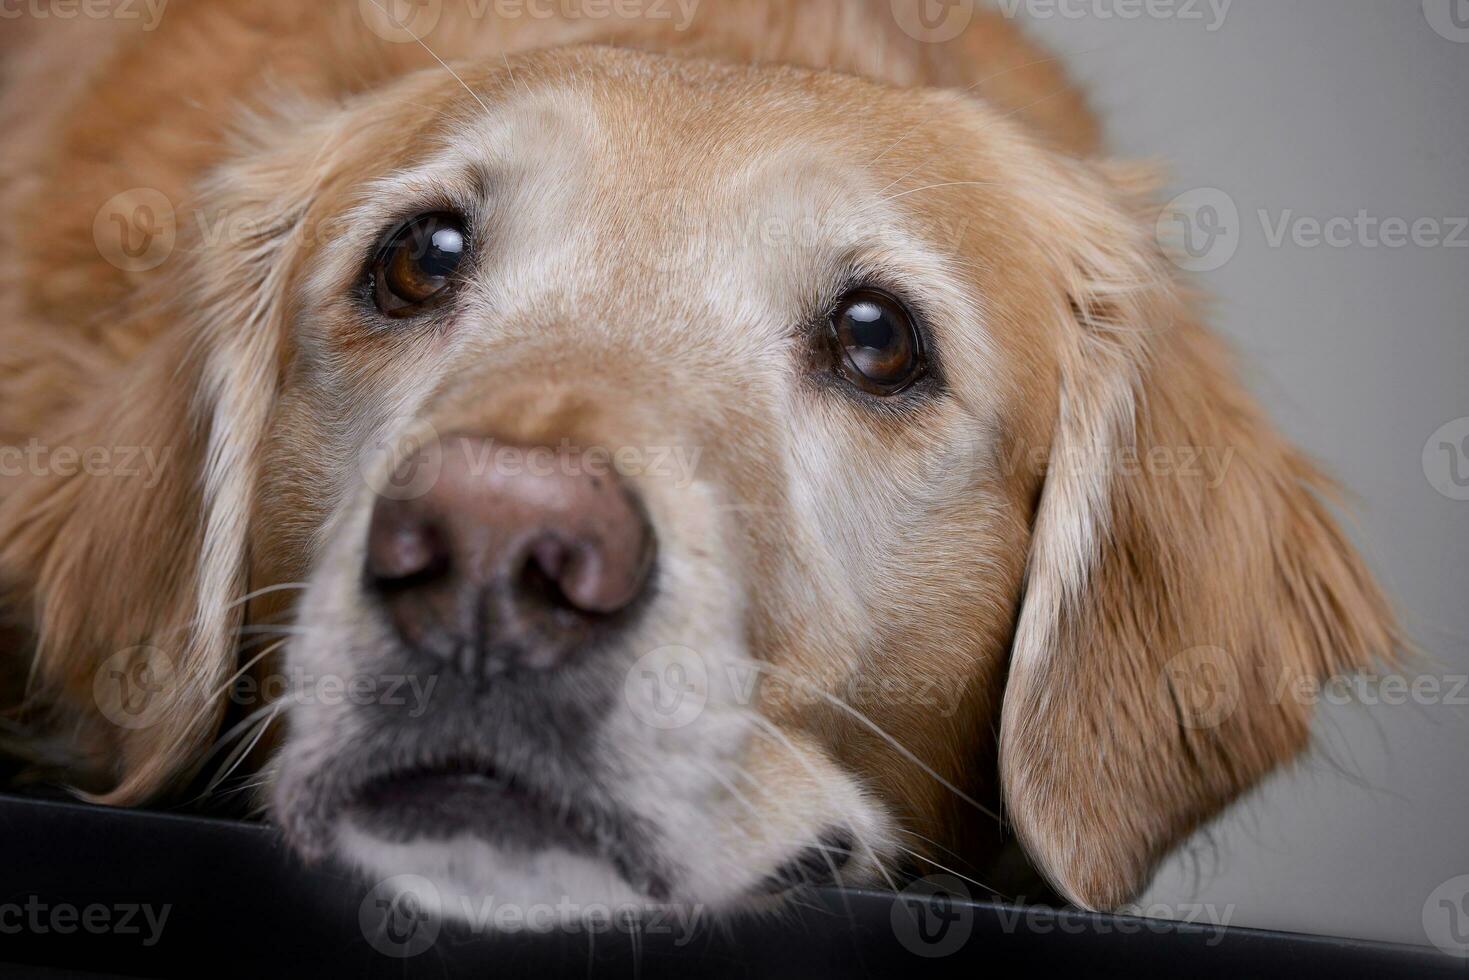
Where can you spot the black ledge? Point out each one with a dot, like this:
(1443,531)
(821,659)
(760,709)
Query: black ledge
(83,892)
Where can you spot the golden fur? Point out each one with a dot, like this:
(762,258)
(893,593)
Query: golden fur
(985,558)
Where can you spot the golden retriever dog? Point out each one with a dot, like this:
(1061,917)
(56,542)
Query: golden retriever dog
(642,452)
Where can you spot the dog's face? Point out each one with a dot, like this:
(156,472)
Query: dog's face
(691,482)
(700,480)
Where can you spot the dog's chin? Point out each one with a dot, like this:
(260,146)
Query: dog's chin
(463,840)
(460,878)
(464,877)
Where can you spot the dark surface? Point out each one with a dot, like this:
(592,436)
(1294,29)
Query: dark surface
(239,905)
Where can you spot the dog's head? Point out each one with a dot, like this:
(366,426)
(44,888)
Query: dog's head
(697,477)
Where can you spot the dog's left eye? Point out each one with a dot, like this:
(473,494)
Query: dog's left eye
(878,347)
(419,264)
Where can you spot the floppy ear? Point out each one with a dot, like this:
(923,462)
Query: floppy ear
(1185,580)
(109,563)
(127,569)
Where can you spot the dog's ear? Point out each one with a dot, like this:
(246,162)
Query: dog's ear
(127,565)
(1186,588)
(110,562)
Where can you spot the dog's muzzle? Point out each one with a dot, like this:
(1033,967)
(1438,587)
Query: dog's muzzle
(515,589)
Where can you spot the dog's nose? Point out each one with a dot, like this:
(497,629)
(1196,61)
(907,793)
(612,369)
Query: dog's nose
(515,557)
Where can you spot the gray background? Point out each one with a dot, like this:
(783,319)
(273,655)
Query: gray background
(1326,107)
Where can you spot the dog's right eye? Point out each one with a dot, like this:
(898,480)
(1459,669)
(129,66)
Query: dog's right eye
(419,264)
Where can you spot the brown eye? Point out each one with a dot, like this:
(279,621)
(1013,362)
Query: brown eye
(419,264)
(877,345)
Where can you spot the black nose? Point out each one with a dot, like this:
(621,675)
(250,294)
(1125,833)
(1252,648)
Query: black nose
(497,567)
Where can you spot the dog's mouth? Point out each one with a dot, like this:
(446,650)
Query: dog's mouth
(461,798)
(441,801)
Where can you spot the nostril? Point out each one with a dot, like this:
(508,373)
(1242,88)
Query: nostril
(550,555)
(578,575)
(540,578)
(405,552)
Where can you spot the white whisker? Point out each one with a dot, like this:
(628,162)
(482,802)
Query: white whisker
(224,688)
(770,729)
(268,590)
(928,860)
(442,63)
(931,187)
(243,752)
(879,731)
(241,727)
